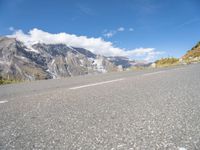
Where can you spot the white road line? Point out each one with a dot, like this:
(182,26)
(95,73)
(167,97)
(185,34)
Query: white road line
(1,102)
(94,84)
(153,73)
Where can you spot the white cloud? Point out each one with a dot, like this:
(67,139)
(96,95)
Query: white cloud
(95,45)
(131,29)
(109,34)
(121,29)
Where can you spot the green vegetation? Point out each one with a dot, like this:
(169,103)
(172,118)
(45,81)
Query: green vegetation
(7,81)
(165,62)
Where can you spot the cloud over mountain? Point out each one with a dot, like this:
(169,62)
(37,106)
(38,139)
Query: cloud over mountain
(95,45)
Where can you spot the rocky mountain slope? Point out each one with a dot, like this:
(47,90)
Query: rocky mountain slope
(193,54)
(46,61)
(124,62)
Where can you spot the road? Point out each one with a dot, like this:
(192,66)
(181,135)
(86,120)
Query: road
(141,110)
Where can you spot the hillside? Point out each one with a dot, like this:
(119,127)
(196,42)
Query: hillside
(193,54)
(164,62)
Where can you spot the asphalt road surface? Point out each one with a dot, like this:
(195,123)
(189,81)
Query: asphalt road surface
(143,110)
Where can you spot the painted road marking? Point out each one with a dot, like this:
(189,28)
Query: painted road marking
(94,84)
(153,73)
(1,102)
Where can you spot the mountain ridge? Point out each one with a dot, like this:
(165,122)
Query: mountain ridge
(47,61)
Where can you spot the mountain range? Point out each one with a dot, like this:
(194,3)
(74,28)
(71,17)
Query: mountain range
(49,61)
(19,61)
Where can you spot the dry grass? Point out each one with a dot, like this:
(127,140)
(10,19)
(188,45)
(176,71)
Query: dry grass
(165,62)
(193,53)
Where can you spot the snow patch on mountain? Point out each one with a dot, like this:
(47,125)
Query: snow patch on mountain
(99,65)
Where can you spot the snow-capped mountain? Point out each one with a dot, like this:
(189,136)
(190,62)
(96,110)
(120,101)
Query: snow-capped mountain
(45,61)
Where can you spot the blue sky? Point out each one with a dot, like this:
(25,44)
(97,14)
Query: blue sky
(170,26)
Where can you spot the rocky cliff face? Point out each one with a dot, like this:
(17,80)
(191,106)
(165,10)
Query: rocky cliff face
(46,61)
(18,63)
